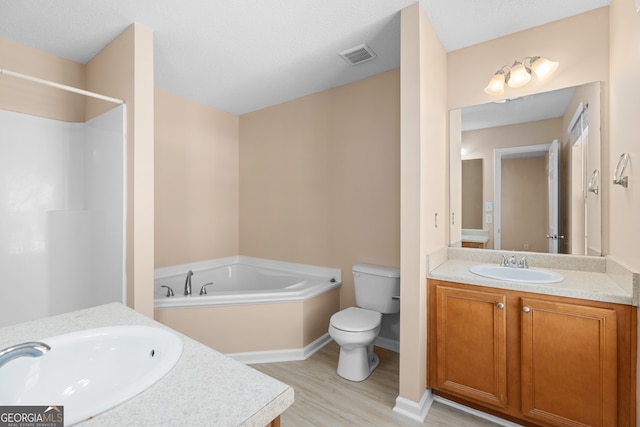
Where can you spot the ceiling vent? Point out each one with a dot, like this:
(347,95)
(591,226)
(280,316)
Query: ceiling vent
(358,55)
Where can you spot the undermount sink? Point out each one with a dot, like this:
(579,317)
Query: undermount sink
(91,371)
(513,274)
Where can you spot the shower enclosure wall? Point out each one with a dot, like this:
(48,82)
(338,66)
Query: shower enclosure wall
(62,193)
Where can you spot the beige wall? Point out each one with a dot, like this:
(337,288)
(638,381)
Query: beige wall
(624,205)
(624,87)
(33,98)
(124,69)
(424,185)
(479,144)
(196,181)
(320,179)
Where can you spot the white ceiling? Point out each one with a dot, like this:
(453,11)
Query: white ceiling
(240,56)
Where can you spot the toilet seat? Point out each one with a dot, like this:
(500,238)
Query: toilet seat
(355,319)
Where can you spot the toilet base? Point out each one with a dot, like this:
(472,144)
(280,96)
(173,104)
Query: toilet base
(358,363)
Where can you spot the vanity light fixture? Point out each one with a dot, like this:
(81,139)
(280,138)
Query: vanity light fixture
(519,74)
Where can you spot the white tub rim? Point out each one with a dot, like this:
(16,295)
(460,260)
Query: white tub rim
(319,280)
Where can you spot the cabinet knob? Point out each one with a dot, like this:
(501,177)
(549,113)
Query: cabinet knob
(500,305)
(526,309)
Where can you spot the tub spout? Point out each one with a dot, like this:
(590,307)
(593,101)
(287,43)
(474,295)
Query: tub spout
(31,349)
(187,283)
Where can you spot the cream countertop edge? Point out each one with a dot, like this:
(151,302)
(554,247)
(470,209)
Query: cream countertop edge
(204,387)
(585,277)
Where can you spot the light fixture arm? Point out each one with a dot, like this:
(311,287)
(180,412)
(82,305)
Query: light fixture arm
(506,70)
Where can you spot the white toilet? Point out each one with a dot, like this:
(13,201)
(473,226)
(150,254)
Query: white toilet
(356,328)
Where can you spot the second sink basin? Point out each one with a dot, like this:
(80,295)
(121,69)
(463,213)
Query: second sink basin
(91,371)
(520,275)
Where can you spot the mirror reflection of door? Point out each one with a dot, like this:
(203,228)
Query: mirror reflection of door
(472,194)
(585,208)
(553,192)
(526,209)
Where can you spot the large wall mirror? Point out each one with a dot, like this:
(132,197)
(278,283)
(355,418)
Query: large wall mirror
(525,173)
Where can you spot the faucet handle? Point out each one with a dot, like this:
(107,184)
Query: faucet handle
(169,290)
(523,262)
(504,262)
(203,289)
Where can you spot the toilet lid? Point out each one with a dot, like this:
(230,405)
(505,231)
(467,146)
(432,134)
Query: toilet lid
(356,319)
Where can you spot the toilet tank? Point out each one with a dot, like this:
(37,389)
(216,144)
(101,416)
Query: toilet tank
(375,286)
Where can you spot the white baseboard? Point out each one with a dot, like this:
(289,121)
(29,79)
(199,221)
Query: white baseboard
(288,355)
(417,411)
(388,344)
(475,412)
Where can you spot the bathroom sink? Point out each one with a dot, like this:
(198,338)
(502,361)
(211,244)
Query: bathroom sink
(512,274)
(91,371)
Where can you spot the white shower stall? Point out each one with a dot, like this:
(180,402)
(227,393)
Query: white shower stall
(62,214)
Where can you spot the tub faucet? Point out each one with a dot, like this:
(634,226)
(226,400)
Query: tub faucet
(31,349)
(203,289)
(187,283)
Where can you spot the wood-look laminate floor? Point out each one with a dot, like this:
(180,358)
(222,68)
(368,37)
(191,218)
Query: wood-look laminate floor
(322,398)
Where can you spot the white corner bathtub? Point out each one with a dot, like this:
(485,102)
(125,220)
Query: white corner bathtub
(242,280)
(256,311)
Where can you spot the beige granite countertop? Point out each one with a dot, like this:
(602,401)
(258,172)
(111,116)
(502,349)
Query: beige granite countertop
(589,278)
(204,388)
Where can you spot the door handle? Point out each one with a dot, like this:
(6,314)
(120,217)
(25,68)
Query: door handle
(555,237)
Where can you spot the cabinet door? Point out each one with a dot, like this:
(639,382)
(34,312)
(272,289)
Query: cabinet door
(471,345)
(568,363)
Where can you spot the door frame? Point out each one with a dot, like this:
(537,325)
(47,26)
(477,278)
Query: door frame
(508,153)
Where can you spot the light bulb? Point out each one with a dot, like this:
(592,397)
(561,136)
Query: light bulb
(496,84)
(543,67)
(520,76)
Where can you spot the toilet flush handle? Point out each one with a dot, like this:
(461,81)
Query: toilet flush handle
(395,297)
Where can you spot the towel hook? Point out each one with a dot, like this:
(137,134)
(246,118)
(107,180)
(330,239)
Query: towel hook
(620,167)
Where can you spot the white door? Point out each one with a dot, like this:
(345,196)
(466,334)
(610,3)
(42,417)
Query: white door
(553,180)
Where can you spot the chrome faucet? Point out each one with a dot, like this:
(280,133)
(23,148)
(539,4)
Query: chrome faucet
(30,349)
(187,283)
(513,262)
(203,289)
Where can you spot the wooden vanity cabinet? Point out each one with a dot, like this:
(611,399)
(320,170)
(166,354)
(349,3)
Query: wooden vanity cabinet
(532,358)
(471,344)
